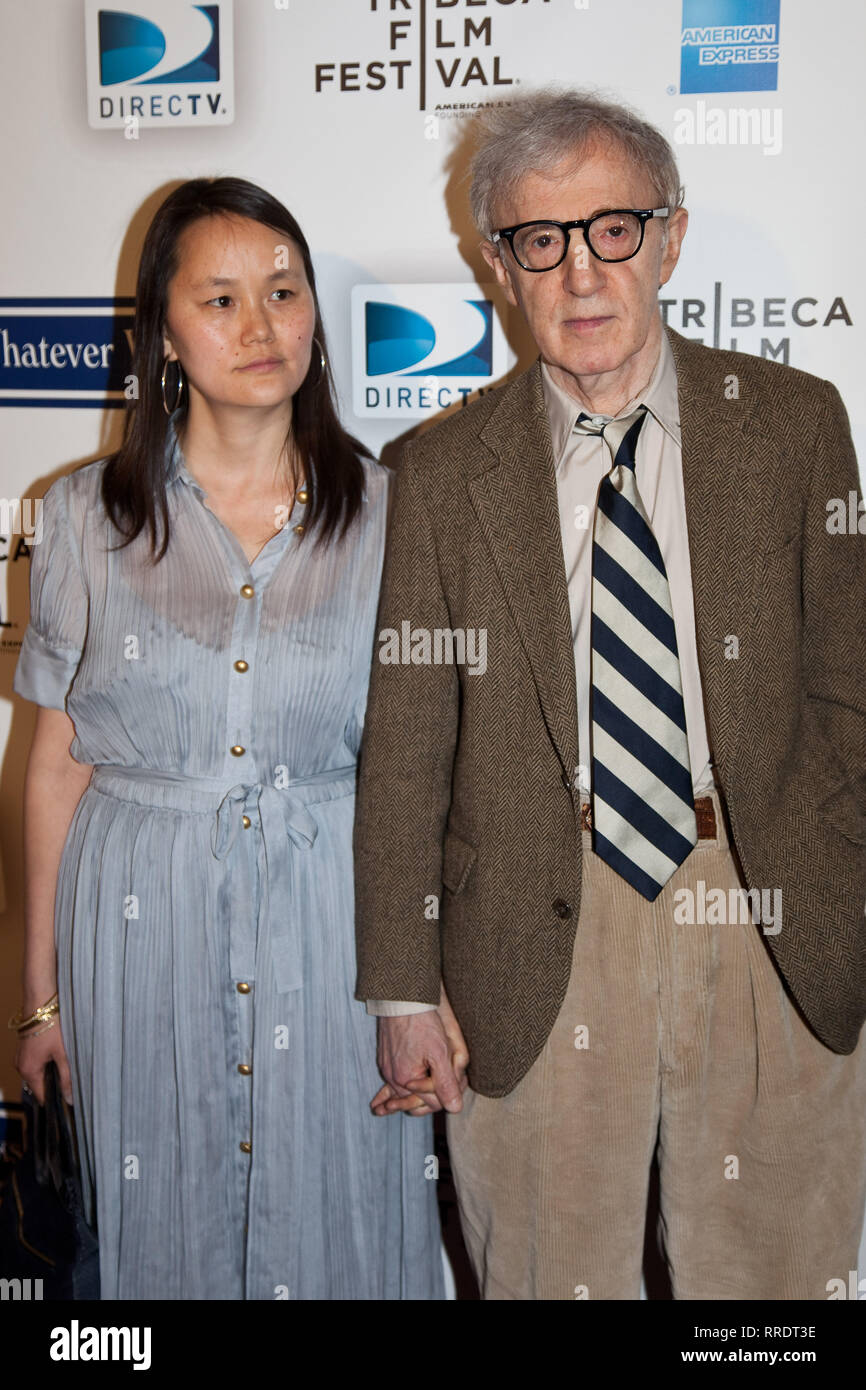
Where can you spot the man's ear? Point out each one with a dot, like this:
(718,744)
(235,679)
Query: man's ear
(490,252)
(677,225)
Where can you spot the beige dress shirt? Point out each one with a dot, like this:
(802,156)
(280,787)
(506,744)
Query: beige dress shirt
(581,462)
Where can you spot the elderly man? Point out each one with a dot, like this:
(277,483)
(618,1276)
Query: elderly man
(553,855)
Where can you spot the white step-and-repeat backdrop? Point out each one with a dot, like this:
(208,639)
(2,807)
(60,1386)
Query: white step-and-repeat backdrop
(349,112)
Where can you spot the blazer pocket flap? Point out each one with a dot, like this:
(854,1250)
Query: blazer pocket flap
(458,856)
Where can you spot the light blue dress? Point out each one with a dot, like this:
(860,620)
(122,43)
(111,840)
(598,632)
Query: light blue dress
(222,1070)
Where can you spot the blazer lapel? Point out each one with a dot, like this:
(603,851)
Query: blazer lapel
(515,501)
(727,503)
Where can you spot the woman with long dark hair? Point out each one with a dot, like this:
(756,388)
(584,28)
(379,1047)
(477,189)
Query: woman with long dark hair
(203,608)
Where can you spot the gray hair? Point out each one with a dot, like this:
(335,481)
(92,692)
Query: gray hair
(540,129)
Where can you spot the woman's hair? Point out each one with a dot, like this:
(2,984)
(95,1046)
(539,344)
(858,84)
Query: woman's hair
(134,479)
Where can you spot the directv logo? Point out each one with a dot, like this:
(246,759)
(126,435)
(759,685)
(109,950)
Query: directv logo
(133,48)
(162,62)
(417,349)
(730,46)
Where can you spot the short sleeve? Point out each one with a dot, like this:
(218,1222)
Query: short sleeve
(54,639)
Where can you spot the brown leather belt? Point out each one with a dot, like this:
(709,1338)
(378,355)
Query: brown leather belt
(705,815)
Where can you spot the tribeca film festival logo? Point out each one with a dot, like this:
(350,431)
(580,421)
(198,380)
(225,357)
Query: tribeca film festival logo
(441,51)
(159,63)
(66,353)
(417,349)
(729,46)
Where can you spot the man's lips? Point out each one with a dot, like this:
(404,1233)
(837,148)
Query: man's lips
(586,325)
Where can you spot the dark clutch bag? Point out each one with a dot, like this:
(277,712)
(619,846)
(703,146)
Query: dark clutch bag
(43,1233)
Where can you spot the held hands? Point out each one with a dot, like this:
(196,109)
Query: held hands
(423,1058)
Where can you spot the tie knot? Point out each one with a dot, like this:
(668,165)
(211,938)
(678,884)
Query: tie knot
(620,435)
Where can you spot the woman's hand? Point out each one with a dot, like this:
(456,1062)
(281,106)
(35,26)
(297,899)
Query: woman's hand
(34,1054)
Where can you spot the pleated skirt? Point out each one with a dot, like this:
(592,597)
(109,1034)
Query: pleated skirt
(227,1146)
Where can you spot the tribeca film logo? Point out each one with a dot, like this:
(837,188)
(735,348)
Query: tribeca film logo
(161,63)
(417,349)
(707,317)
(730,46)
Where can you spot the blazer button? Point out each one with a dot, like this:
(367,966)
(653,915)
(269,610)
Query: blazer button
(562,908)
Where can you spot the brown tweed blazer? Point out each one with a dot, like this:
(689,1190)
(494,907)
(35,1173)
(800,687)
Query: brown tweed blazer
(466,780)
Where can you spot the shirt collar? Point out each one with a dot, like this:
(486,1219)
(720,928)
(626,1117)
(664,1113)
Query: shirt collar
(659,396)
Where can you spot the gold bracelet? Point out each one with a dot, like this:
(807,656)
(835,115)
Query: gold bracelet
(44,1011)
(38,1016)
(34,1029)
(46,1014)
(35,1033)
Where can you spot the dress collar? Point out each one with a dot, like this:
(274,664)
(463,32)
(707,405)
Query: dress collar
(175,463)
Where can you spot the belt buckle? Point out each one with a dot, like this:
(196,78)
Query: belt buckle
(705,817)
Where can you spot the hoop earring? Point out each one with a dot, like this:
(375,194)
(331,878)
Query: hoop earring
(178,395)
(323,361)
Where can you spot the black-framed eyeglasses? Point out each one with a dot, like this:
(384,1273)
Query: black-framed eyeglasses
(616,235)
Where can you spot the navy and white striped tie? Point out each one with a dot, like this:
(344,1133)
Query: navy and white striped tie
(643,814)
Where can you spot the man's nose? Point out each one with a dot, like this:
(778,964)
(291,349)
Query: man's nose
(582,272)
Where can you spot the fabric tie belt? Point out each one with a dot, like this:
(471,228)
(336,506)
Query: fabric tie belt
(283,812)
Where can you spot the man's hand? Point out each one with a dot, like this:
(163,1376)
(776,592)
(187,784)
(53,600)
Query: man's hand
(424,1067)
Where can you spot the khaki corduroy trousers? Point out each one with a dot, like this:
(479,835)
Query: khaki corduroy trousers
(675,1036)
